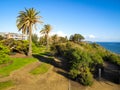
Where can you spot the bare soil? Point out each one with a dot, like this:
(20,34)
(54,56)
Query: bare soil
(48,81)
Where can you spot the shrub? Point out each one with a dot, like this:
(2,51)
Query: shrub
(82,74)
(20,46)
(86,77)
(4,51)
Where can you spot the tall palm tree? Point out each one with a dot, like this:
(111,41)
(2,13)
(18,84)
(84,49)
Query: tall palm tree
(25,22)
(45,31)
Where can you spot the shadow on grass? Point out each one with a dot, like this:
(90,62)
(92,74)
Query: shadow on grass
(60,67)
(47,58)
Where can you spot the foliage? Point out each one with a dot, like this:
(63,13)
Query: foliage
(16,64)
(25,22)
(1,37)
(42,40)
(41,69)
(113,58)
(84,59)
(86,77)
(78,61)
(4,58)
(8,42)
(35,39)
(76,37)
(55,39)
(6,84)
(79,66)
(4,51)
(20,46)
(45,31)
(37,49)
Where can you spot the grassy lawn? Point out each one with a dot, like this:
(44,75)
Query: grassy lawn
(17,63)
(41,69)
(6,84)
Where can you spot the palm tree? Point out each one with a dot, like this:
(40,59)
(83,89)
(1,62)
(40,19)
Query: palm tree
(25,22)
(45,31)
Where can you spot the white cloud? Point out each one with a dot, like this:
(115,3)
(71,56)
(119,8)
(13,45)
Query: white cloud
(91,36)
(59,33)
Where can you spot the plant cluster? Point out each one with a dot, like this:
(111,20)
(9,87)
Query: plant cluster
(4,51)
(84,59)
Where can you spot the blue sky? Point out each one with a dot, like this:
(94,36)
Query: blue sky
(96,20)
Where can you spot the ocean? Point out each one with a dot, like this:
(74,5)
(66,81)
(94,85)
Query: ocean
(111,46)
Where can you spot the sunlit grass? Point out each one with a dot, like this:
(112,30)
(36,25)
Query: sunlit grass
(17,63)
(41,69)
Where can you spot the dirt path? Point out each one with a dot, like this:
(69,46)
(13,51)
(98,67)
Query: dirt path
(54,79)
(104,85)
(48,81)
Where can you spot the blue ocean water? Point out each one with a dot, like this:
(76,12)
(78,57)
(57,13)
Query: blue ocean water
(111,46)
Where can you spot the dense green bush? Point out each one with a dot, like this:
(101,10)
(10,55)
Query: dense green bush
(86,77)
(8,42)
(79,66)
(4,51)
(20,46)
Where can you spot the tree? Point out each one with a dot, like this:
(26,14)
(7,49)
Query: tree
(25,22)
(45,31)
(35,39)
(55,39)
(76,37)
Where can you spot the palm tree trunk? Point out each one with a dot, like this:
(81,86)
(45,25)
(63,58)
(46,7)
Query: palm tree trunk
(30,41)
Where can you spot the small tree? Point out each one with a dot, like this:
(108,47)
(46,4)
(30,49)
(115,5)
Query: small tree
(76,37)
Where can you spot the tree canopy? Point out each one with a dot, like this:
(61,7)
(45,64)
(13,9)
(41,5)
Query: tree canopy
(76,37)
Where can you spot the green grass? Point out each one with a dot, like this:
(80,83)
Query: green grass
(6,84)
(17,63)
(37,50)
(41,69)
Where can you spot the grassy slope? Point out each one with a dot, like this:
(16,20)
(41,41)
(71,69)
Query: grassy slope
(17,63)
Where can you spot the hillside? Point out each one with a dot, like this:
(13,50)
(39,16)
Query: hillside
(66,65)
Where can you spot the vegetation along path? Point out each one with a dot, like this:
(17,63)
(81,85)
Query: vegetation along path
(54,79)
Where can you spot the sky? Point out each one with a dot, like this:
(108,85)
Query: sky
(96,20)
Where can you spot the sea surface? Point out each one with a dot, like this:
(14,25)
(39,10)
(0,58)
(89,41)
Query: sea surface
(111,46)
